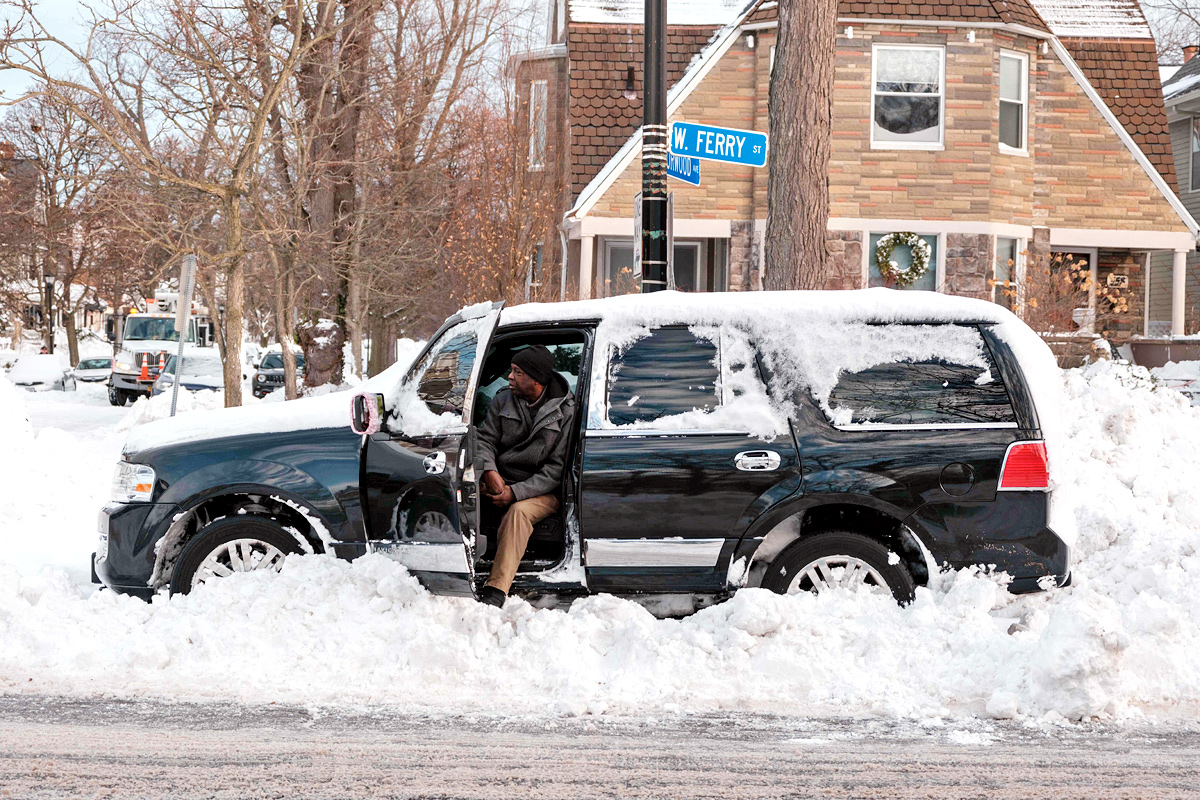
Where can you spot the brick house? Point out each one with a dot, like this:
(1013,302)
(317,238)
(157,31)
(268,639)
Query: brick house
(997,131)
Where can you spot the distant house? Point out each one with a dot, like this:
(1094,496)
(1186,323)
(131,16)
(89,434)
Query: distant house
(1181,94)
(996,130)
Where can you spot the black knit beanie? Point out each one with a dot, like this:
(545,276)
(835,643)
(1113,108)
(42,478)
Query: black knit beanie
(537,362)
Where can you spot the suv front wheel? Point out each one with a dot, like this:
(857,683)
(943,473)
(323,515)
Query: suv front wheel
(839,559)
(233,544)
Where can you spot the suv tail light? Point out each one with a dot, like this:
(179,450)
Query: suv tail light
(1025,468)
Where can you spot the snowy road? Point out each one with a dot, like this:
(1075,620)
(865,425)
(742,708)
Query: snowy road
(51,748)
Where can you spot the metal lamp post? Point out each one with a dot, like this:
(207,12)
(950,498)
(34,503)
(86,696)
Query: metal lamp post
(49,313)
(654,150)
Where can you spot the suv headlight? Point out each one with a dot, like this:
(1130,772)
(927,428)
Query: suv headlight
(132,483)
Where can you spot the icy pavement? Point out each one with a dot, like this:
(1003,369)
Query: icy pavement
(1121,645)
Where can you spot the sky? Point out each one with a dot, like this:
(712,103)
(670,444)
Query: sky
(62,19)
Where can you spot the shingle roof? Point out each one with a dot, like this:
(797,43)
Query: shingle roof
(679,12)
(1014,12)
(1185,80)
(601,118)
(1095,19)
(1125,73)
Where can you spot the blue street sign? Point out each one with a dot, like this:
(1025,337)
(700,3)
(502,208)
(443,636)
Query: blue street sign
(731,145)
(683,168)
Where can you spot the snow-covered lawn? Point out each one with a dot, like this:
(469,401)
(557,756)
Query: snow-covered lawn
(1122,643)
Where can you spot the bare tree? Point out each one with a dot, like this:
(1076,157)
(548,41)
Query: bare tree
(799,124)
(175,75)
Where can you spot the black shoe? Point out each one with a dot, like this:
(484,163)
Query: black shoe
(491,596)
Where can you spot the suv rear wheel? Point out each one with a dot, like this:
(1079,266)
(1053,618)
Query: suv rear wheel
(233,544)
(839,559)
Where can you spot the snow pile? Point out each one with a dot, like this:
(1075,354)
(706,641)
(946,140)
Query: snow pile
(1122,643)
(1182,376)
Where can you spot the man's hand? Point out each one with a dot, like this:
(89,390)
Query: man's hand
(504,498)
(493,484)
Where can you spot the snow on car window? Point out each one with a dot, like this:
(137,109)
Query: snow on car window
(432,397)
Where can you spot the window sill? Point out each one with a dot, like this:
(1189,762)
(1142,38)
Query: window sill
(930,146)
(1013,151)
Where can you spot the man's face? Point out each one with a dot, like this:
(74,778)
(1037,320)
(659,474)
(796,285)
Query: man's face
(522,385)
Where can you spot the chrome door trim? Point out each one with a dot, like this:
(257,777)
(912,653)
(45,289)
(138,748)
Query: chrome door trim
(434,463)
(674,552)
(426,556)
(757,461)
(928,426)
(602,433)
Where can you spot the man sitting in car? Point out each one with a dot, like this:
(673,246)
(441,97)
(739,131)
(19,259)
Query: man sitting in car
(522,449)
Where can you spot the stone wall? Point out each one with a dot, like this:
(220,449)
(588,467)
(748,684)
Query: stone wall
(969,265)
(845,250)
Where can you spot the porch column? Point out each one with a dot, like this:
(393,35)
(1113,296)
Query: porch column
(1178,291)
(586,278)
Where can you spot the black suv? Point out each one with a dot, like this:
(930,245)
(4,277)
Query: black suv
(790,441)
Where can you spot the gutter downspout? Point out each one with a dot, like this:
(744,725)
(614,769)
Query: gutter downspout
(562,235)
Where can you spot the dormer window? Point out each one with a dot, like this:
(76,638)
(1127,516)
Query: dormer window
(908,97)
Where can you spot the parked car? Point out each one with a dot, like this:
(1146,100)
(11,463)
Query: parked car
(202,371)
(269,375)
(784,440)
(42,373)
(93,370)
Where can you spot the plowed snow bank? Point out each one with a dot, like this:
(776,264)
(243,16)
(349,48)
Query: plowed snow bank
(1123,642)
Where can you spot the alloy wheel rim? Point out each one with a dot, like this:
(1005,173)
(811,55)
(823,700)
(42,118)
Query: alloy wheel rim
(239,555)
(837,572)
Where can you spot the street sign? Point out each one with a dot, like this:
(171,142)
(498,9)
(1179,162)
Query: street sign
(683,168)
(637,237)
(731,145)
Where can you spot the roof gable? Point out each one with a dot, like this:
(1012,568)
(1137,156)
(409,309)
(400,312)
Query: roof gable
(1125,73)
(1010,12)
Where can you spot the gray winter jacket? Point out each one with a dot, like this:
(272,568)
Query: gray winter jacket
(528,451)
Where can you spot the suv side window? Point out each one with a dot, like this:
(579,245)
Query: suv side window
(934,392)
(671,371)
(446,370)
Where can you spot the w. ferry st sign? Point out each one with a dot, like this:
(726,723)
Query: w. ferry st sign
(731,145)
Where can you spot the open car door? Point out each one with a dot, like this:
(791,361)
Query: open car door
(420,502)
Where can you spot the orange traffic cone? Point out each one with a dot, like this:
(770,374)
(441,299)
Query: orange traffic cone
(145,376)
(162,361)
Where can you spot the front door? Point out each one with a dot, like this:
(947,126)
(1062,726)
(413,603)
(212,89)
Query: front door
(670,477)
(418,485)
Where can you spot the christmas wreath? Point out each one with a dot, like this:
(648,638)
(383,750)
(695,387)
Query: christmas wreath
(891,272)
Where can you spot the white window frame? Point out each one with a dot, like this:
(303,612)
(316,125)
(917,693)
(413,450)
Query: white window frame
(537,125)
(1018,268)
(1192,136)
(940,144)
(1023,150)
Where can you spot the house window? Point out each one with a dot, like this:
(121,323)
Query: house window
(699,267)
(1195,187)
(1014,100)
(537,125)
(902,255)
(1004,287)
(908,92)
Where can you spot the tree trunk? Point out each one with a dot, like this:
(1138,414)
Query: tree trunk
(383,345)
(234,297)
(800,118)
(72,339)
(322,345)
(283,322)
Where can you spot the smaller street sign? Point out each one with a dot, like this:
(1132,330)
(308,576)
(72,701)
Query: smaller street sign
(683,168)
(731,145)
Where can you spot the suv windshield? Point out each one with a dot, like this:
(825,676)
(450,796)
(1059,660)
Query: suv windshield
(159,329)
(275,361)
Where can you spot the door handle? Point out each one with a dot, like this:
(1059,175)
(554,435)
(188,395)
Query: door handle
(757,461)
(435,463)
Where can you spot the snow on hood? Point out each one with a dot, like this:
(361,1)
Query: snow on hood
(330,410)
(1120,644)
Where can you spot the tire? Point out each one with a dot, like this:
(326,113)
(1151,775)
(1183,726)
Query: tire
(233,544)
(855,559)
(116,396)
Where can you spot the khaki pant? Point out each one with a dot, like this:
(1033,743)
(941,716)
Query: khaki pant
(515,529)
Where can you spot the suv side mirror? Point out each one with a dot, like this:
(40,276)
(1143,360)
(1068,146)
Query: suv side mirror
(366,413)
